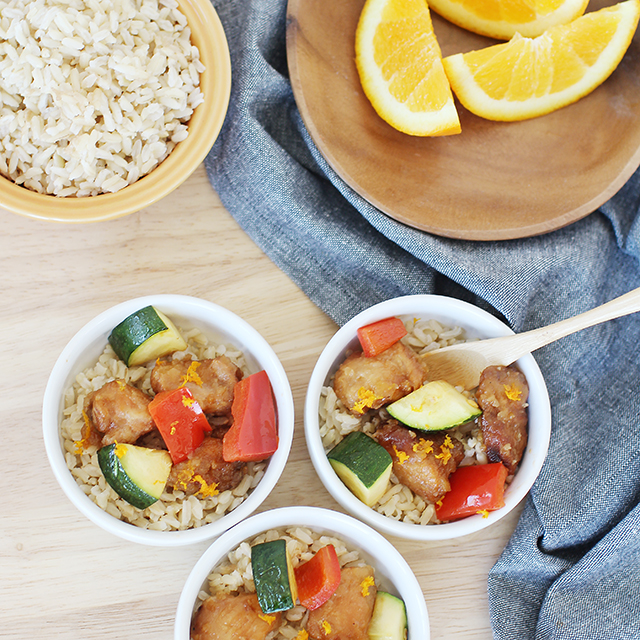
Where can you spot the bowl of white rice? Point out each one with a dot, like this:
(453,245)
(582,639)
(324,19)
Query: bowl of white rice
(106,106)
(88,363)
(225,569)
(431,322)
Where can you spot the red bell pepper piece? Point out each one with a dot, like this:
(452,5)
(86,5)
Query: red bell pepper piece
(379,336)
(318,578)
(474,489)
(180,421)
(254,432)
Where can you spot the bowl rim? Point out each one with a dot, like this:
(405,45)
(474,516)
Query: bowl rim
(63,373)
(177,166)
(468,316)
(346,527)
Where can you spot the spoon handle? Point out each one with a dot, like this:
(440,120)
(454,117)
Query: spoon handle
(516,346)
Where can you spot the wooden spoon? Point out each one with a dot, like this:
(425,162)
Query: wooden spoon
(462,364)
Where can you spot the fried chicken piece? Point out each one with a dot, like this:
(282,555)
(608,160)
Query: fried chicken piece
(421,462)
(205,468)
(231,617)
(347,613)
(210,381)
(502,395)
(117,411)
(370,383)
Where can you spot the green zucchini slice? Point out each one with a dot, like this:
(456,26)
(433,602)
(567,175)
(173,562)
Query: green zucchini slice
(273,576)
(363,465)
(434,406)
(137,474)
(145,335)
(389,619)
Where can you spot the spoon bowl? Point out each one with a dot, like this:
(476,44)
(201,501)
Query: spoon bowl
(462,364)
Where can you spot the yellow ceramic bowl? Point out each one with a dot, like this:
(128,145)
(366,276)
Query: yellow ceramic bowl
(205,124)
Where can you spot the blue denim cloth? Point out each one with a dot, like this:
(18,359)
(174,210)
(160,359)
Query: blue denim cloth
(572,568)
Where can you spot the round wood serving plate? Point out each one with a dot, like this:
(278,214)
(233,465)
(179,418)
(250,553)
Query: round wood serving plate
(493,181)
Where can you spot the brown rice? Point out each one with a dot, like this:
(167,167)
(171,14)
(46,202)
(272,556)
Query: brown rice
(399,502)
(94,94)
(174,511)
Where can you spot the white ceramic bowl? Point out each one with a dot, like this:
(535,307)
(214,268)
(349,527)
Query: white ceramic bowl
(391,568)
(217,323)
(477,324)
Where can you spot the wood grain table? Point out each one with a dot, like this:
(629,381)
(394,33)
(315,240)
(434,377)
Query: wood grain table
(60,575)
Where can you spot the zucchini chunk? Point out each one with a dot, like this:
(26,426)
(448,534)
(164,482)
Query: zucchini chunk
(137,474)
(145,335)
(363,465)
(273,576)
(389,619)
(434,406)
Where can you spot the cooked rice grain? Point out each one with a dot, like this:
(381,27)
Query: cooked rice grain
(174,511)
(93,94)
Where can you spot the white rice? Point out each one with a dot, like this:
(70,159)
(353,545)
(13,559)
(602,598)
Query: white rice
(234,575)
(175,511)
(399,502)
(94,94)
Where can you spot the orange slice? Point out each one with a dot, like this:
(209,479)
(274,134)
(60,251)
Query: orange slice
(400,67)
(529,77)
(502,19)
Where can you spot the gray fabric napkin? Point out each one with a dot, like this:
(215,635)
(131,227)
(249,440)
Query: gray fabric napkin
(572,567)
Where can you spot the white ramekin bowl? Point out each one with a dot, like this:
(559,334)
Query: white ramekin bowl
(217,323)
(390,567)
(477,323)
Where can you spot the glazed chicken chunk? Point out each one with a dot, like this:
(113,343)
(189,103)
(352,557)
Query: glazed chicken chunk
(233,617)
(347,613)
(210,381)
(421,462)
(116,412)
(502,395)
(364,383)
(206,464)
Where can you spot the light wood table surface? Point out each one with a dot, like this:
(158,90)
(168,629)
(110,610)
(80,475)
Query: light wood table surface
(60,575)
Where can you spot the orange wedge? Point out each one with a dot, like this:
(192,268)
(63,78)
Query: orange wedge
(400,67)
(502,19)
(529,77)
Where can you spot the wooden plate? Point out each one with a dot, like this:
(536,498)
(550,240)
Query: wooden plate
(495,180)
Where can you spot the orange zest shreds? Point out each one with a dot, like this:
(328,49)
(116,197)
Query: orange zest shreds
(302,635)
(191,375)
(484,513)
(423,448)
(367,399)
(121,384)
(185,476)
(365,584)
(445,450)
(81,445)
(206,490)
(188,402)
(512,392)
(401,455)
(120,449)
(439,503)
(326,627)
(267,618)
